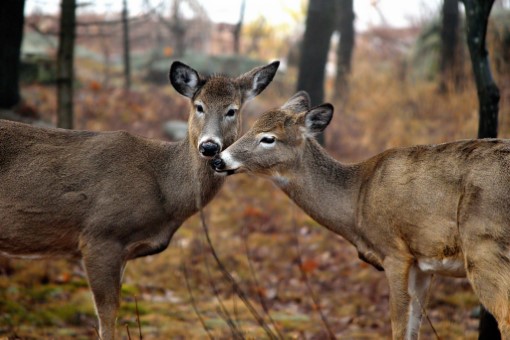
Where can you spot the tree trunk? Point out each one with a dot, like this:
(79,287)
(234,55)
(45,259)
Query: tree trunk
(125,40)
(314,50)
(238,28)
(65,61)
(449,62)
(477,16)
(178,30)
(345,46)
(11,26)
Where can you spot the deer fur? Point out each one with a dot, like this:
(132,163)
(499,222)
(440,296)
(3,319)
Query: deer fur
(109,197)
(413,212)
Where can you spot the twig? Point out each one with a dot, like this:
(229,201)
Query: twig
(425,311)
(97,333)
(128,334)
(229,277)
(138,319)
(236,333)
(236,311)
(257,284)
(192,298)
(315,300)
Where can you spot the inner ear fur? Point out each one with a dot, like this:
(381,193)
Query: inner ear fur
(253,82)
(298,103)
(184,79)
(318,118)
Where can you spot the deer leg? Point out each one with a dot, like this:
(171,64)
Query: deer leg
(104,266)
(408,291)
(418,284)
(488,270)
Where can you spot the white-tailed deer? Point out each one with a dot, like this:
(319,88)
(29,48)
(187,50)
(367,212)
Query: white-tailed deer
(108,197)
(412,212)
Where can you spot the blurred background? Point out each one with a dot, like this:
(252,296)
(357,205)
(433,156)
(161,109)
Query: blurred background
(398,74)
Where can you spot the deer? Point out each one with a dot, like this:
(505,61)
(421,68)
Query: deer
(109,197)
(412,212)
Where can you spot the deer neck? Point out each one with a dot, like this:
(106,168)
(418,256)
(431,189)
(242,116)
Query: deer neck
(325,189)
(187,181)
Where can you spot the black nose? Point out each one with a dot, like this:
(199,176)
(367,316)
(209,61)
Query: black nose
(218,164)
(209,149)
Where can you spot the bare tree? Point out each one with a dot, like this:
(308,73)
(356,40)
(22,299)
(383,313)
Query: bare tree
(11,26)
(345,46)
(125,39)
(320,22)
(238,28)
(178,29)
(477,16)
(450,56)
(65,64)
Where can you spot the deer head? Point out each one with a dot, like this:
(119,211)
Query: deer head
(214,120)
(277,139)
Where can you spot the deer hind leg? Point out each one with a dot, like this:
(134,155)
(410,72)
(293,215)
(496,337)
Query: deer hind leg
(104,266)
(408,296)
(488,270)
(418,284)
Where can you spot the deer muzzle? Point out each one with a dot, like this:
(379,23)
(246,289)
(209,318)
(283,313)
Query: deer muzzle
(209,149)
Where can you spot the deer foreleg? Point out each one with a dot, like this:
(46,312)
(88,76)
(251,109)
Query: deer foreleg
(104,267)
(408,295)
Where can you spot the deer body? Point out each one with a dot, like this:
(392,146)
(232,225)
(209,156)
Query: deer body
(112,183)
(412,212)
(108,197)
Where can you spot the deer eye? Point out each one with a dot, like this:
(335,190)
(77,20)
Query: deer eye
(200,108)
(268,139)
(231,113)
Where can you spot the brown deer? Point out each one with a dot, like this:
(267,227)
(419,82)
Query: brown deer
(108,197)
(412,212)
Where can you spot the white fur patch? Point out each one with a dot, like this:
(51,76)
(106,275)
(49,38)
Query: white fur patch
(448,266)
(266,145)
(192,79)
(230,162)
(306,133)
(250,94)
(417,286)
(198,113)
(232,107)
(280,180)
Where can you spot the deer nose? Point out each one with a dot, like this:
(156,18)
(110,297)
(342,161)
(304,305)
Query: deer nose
(218,164)
(209,148)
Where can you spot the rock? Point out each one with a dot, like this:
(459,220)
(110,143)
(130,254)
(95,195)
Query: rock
(175,129)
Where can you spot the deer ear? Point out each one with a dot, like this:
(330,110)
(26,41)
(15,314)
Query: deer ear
(184,79)
(255,81)
(318,118)
(299,102)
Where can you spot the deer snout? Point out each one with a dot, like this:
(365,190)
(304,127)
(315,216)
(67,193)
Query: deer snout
(209,148)
(218,164)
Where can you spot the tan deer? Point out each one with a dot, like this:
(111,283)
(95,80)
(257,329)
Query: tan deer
(412,212)
(108,197)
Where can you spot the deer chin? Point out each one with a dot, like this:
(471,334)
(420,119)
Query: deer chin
(228,172)
(207,158)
